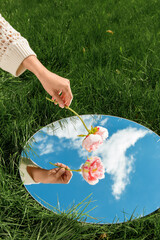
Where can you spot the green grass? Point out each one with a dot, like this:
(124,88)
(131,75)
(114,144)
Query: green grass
(113,74)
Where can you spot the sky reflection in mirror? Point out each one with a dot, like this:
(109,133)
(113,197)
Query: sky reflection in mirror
(130,155)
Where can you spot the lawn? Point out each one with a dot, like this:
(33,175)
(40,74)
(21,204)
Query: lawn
(112,72)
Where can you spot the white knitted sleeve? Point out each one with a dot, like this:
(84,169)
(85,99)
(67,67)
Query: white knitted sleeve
(13,49)
(26,178)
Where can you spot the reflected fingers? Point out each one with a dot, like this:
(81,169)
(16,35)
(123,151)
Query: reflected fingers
(69,173)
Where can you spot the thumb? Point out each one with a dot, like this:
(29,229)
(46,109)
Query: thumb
(60,172)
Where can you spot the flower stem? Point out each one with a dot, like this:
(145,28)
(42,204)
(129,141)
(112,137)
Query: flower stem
(79,118)
(74,113)
(78,170)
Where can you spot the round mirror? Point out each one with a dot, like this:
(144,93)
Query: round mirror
(130,156)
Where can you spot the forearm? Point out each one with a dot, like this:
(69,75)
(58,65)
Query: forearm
(34,65)
(36,173)
(31,171)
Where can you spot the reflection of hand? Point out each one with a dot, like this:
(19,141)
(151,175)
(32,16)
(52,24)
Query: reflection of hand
(55,175)
(60,175)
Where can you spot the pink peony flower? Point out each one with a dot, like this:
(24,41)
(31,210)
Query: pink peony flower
(91,142)
(103,132)
(93,170)
(94,139)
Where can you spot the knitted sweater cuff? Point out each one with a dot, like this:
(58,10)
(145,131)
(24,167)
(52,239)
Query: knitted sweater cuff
(14,56)
(26,178)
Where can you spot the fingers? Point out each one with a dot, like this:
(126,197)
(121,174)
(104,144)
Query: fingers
(67,94)
(58,100)
(61,165)
(59,93)
(63,100)
(63,96)
(67,98)
(66,174)
(53,171)
(60,172)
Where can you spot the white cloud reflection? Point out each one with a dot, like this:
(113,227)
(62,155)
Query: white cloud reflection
(45,148)
(39,137)
(103,122)
(115,160)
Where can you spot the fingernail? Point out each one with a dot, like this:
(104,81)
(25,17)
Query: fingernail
(61,105)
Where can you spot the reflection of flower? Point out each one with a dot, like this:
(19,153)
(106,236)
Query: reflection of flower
(93,170)
(95,138)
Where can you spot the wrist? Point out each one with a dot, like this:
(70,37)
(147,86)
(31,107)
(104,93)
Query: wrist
(33,172)
(34,65)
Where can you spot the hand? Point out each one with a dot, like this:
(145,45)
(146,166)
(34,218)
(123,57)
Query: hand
(55,175)
(58,87)
(60,175)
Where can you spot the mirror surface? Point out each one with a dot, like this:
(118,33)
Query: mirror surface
(130,155)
